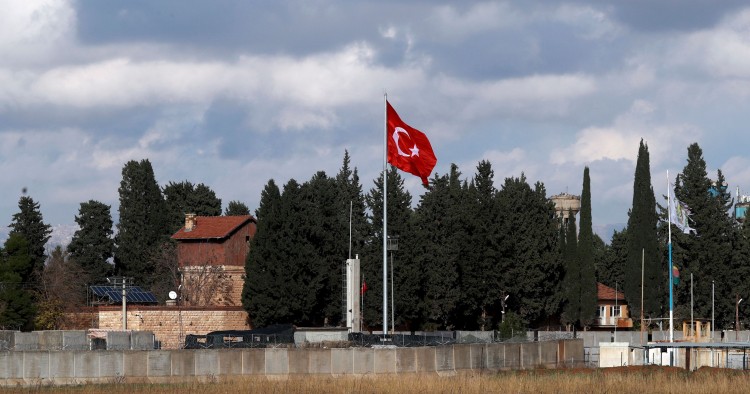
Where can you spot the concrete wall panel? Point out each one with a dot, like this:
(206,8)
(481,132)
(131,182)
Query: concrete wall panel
(7,339)
(160,363)
(277,361)
(141,340)
(320,361)
(230,362)
(341,362)
(573,351)
(462,357)
(495,358)
(384,360)
(36,365)
(86,364)
(425,359)
(51,340)
(135,363)
(363,360)
(206,362)
(253,361)
(478,356)
(75,340)
(444,358)
(299,361)
(26,341)
(61,365)
(183,363)
(11,365)
(548,356)
(118,340)
(512,356)
(406,359)
(111,364)
(529,355)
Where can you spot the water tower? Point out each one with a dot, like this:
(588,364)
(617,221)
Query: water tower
(566,204)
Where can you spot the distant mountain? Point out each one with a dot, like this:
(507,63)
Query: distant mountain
(61,235)
(606,231)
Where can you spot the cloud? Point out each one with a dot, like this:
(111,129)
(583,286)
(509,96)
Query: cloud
(34,31)
(620,140)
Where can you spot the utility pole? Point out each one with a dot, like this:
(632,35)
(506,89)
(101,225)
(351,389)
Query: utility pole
(737,319)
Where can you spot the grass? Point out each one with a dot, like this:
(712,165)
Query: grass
(613,380)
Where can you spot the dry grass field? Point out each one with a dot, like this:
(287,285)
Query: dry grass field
(613,380)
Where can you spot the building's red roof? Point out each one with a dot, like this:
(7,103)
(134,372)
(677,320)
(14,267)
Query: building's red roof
(607,293)
(213,227)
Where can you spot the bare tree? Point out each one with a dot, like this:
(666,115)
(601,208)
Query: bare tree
(62,289)
(199,284)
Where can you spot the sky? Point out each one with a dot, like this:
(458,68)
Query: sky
(234,93)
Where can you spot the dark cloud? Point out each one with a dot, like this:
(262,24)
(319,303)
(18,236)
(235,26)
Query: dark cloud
(669,15)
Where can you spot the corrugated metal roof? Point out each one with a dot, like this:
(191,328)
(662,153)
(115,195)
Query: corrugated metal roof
(213,227)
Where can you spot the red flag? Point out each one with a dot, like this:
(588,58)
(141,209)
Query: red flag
(409,149)
(364,288)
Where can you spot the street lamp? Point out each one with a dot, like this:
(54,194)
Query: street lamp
(737,318)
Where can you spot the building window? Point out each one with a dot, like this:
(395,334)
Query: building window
(600,311)
(615,311)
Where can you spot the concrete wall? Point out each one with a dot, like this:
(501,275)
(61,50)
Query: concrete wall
(67,367)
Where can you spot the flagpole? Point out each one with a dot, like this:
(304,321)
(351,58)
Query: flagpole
(385,214)
(671,283)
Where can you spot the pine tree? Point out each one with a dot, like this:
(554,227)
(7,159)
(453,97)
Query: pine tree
(29,224)
(642,244)
(236,208)
(92,244)
(588,291)
(143,222)
(708,256)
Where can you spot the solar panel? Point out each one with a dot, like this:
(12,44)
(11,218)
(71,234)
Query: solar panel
(134,294)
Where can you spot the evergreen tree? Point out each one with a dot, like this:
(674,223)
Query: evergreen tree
(29,224)
(535,267)
(265,275)
(143,222)
(399,225)
(642,244)
(708,256)
(236,208)
(610,269)
(481,277)
(572,277)
(16,303)
(588,291)
(92,244)
(435,220)
(184,197)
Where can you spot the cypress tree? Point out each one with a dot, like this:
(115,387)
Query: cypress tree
(143,222)
(588,294)
(29,224)
(92,244)
(17,308)
(642,243)
(572,277)
(264,287)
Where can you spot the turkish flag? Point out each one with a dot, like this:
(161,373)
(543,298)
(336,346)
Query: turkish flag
(364,288)
(409,149)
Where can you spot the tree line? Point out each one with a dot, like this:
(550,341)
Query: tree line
(468,250)
(38,287)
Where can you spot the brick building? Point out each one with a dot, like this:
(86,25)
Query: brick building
(211,252)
